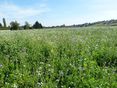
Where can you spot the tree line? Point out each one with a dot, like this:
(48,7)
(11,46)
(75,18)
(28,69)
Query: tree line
(14,25)
(112,22)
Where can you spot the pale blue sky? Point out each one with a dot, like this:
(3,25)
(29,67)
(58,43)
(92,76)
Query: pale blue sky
(57,12)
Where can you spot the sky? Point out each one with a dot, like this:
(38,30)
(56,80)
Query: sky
(57,12)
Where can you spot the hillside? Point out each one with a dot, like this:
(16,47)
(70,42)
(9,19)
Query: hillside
(99,23)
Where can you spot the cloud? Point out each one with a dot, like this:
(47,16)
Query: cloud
(12,11)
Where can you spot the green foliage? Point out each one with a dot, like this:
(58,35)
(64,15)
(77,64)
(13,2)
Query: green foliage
(2,28)
(14,25)
(59,58)
(27,25)
(37,25)
(0,25)
(4,22)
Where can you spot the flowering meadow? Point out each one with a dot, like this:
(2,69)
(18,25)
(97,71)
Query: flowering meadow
(59,58)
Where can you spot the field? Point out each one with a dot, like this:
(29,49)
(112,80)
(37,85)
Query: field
(59,58)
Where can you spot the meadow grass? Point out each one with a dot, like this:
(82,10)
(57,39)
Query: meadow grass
(59,58)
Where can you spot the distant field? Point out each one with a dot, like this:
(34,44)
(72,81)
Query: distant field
(59,58)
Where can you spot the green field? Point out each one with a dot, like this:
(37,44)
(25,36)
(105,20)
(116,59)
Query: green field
(59,58)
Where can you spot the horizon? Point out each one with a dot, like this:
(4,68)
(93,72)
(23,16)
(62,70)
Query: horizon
(51,13)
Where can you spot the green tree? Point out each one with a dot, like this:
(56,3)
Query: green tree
(14,25)
(4,22)
(0,25)
(37,25)
(27,25)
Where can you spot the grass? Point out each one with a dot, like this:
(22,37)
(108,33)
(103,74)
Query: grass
(59,58)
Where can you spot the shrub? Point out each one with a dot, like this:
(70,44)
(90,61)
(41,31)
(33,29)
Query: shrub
(14,25)
(37,25)
(27,25)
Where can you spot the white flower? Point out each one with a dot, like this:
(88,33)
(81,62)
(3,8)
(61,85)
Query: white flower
(15,86)
(0,65)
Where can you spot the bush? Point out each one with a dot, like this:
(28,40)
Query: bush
(0,25)
(37,25)
(27,25)
(14,25)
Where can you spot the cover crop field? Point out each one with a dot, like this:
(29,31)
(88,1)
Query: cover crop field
(59,58)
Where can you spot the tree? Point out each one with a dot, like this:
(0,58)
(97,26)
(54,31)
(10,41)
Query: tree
(37,25)
(14,25)
(62,25)
(4,22)
(27,25)
(0,25)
